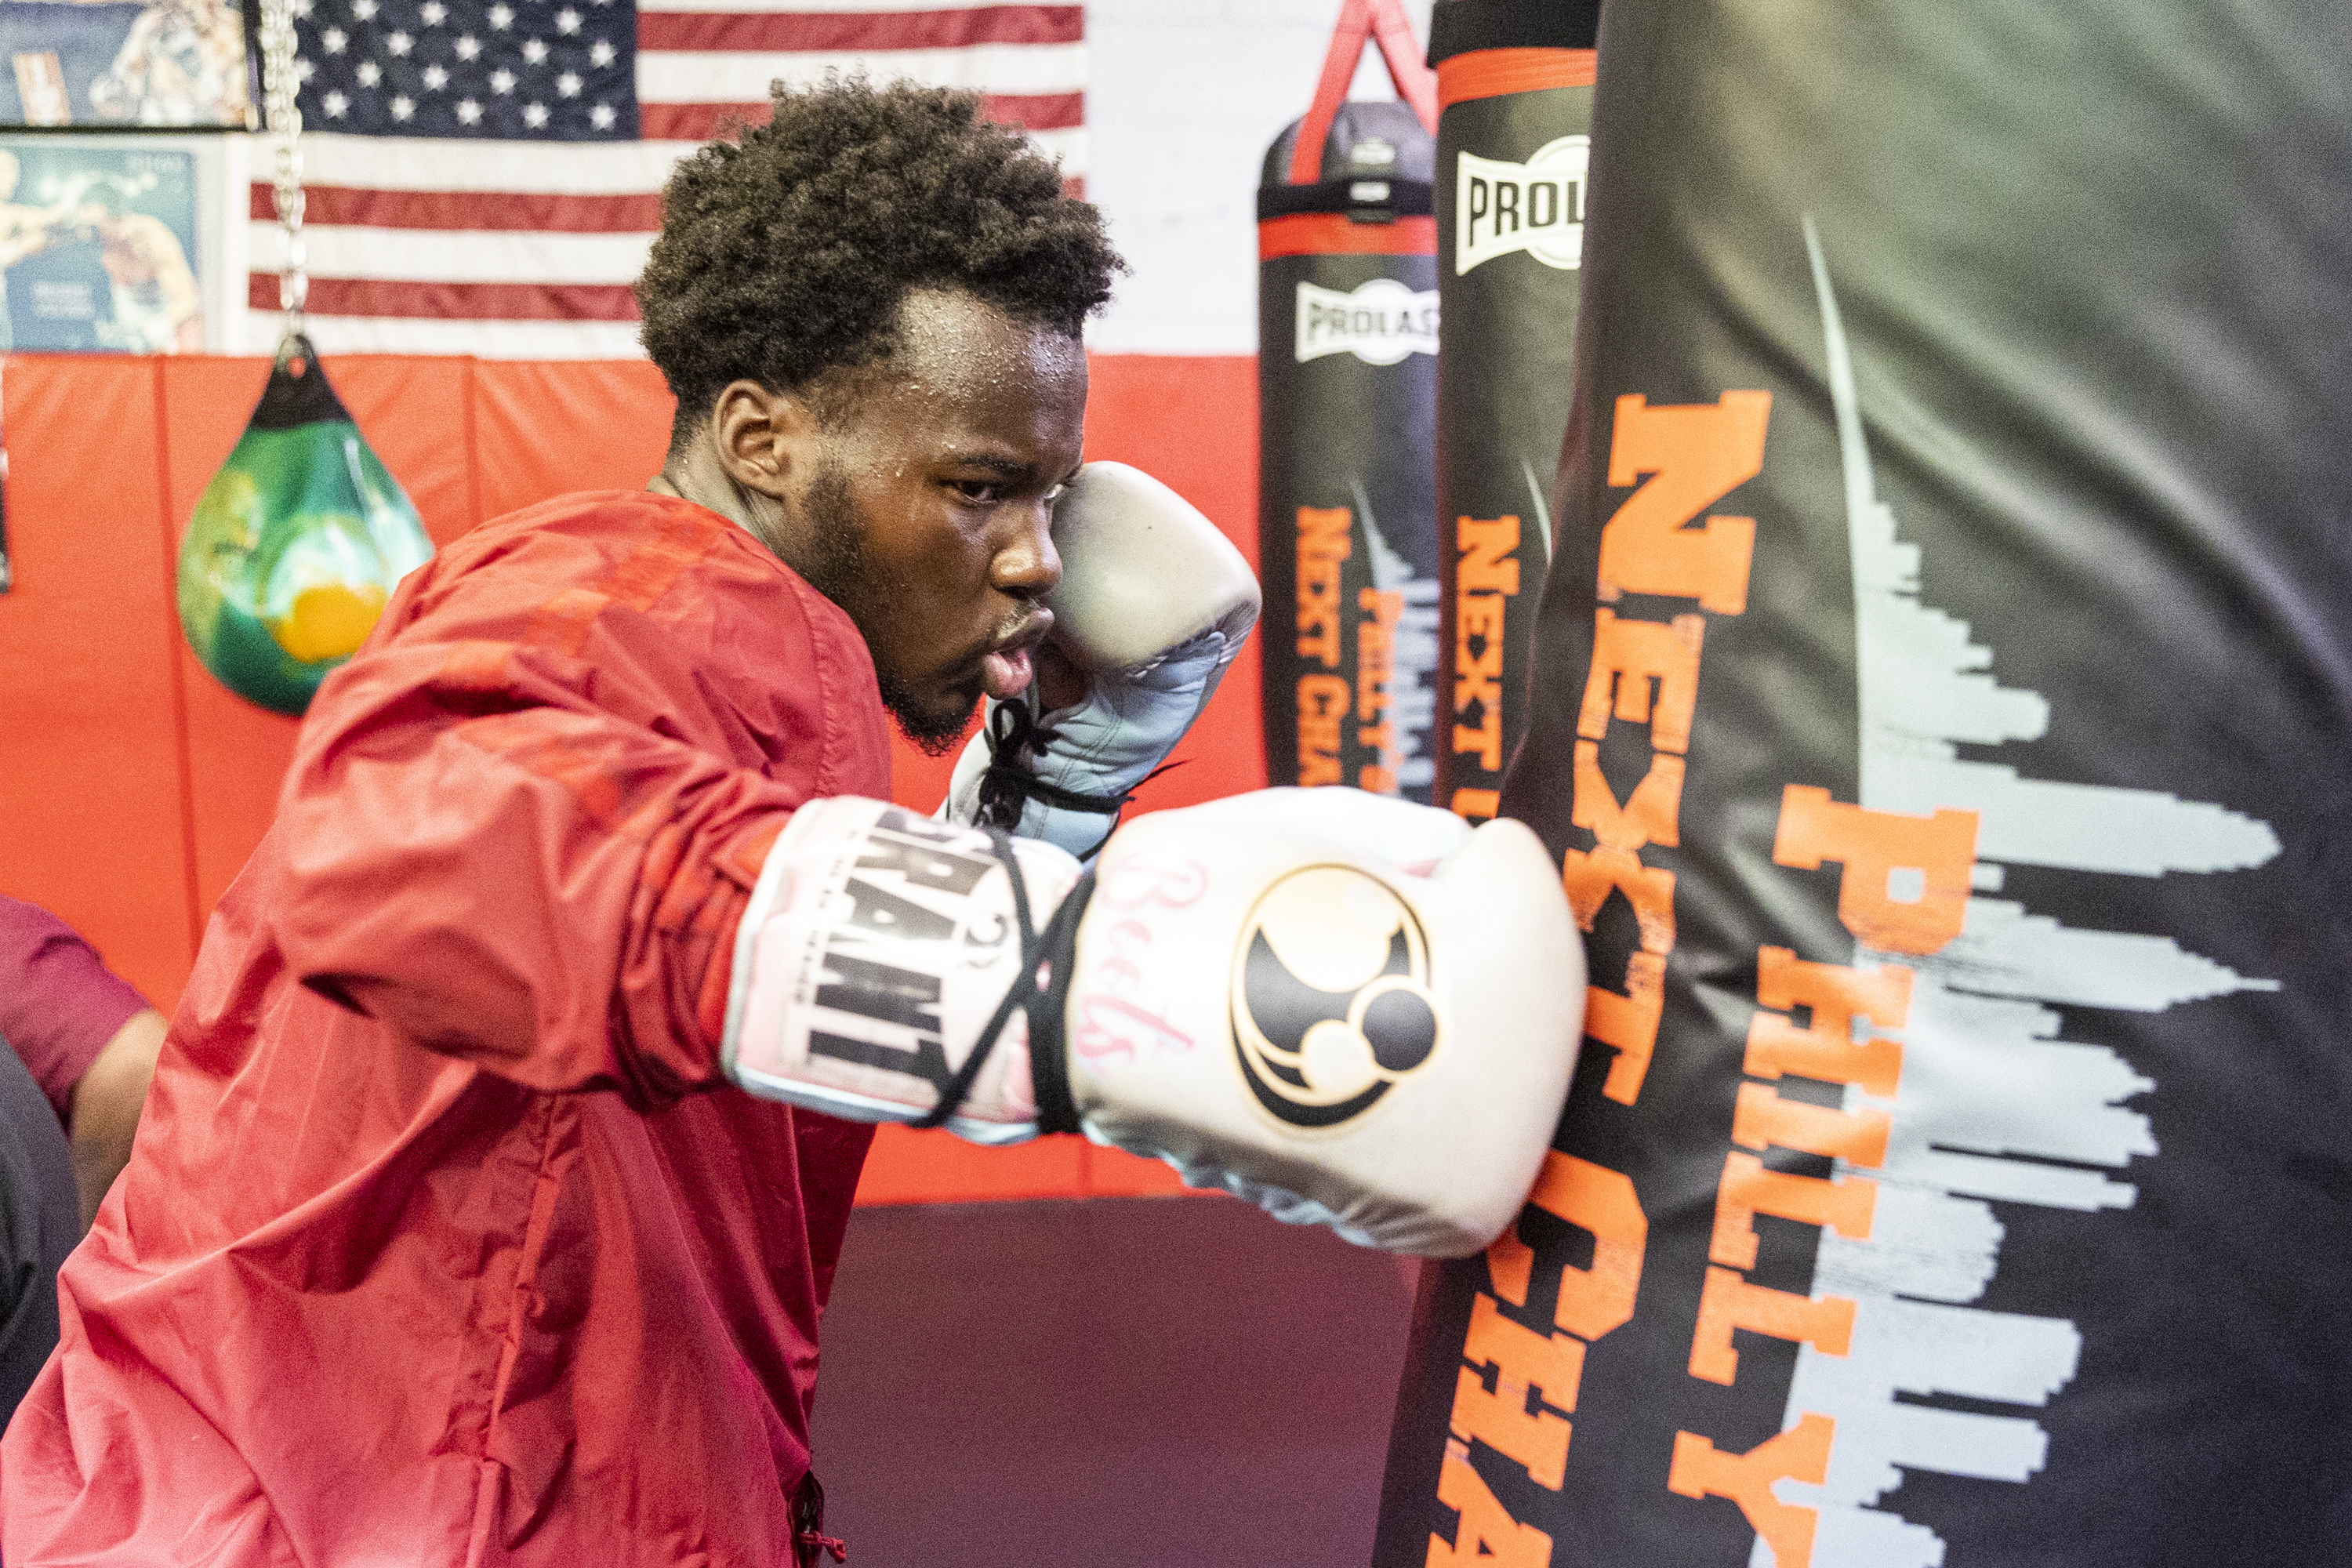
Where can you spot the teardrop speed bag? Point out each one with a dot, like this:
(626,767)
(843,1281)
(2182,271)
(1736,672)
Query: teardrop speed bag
(296,544)
(1347,399)
(1513,136)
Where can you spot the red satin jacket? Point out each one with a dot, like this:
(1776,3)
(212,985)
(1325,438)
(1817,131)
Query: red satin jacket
(445,1241)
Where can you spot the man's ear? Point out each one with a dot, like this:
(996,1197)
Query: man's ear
(761,436)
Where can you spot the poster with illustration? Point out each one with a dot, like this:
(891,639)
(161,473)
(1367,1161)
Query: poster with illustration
(99,247)
(105,63)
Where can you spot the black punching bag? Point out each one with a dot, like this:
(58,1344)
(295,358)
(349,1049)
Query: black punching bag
(1347,413)
(1513,135)
(1942,711)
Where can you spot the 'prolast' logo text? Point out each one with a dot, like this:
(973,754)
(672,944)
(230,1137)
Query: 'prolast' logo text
(1380,323)
(1537,207)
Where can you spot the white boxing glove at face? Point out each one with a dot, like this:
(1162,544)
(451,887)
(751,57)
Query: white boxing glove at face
(1153,607)
(1251,990)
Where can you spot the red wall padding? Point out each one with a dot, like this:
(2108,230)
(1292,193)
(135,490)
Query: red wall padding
(134,786)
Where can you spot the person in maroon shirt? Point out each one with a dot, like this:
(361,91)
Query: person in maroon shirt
(446,1238)
(88,1039)
(81,1048)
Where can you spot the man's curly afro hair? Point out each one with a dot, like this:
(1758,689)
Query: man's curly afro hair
(787,253)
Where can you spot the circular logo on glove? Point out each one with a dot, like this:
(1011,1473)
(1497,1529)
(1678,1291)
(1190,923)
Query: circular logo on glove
(1330,996)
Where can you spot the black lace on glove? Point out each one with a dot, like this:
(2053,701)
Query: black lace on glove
(1054,949)
(1008,786)
(1049,1061)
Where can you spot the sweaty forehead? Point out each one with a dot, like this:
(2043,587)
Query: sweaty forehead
(964,370)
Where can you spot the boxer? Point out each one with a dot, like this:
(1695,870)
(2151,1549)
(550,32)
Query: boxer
(452,1233)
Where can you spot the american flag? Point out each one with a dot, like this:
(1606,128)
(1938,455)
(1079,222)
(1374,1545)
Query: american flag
(486,177)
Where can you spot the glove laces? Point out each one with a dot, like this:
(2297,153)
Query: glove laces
(1009,783)
(1054,951)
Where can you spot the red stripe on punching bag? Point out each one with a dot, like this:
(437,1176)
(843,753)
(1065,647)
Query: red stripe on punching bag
(1494,73)
(1335,234)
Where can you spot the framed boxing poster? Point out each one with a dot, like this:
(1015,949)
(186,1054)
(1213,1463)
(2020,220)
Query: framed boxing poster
(115,244)
(109,63)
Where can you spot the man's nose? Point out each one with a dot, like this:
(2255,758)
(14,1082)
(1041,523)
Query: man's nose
(1026,565)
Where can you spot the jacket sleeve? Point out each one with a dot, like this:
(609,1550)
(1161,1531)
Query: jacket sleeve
(504,844)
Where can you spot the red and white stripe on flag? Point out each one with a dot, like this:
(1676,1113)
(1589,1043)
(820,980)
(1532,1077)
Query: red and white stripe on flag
(527,250)
(702,62)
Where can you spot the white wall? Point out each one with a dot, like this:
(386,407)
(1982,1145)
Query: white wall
(1182,98)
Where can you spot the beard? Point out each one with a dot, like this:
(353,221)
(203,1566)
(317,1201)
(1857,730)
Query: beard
(839,567)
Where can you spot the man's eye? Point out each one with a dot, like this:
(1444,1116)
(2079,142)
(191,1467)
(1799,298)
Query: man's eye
(1054,496)
(982,492)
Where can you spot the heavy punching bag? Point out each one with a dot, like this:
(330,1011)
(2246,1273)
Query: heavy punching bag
(1942,708)
(1347,413)
(1513,136)
(296,542)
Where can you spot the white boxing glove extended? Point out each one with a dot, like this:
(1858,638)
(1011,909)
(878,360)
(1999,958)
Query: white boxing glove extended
(1251,990)
(1152,605)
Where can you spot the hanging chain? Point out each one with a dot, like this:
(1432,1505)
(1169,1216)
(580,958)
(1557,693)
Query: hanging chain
(283,115)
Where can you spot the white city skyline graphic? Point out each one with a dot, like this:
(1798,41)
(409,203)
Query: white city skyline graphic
(1413,698)
(1989,1094)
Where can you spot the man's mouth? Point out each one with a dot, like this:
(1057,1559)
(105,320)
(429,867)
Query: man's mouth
(1006,670)
(1006,675)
